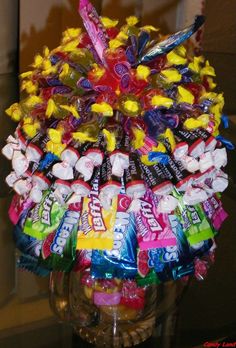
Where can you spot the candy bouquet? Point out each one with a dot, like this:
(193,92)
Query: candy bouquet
(117,161)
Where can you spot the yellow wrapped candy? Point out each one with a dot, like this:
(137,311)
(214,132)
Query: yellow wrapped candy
(177,56)
(193,123)
(207,70)
(55,148)
(72,109)
(51,108)
(15,112)
(83,137)
(171,75)
(159,100)
(102,108)
(139,137)
(109,23)
(111,140)
(143,72)
(30,127)
(196,64)
(184,96)
(170,137)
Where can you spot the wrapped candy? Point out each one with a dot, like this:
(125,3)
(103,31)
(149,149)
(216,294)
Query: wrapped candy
(117,160)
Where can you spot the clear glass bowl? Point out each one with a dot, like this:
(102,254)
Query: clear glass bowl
(71,299)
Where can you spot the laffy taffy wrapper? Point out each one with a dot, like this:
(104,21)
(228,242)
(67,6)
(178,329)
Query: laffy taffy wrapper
(153,228)
(96,224)
(45,217)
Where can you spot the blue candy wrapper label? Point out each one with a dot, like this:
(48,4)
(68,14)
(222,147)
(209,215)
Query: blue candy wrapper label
(69,222)
(119,262)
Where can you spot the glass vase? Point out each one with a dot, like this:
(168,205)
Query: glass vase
(104,324)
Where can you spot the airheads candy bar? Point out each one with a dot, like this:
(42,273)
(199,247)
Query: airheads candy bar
(153,228)
(120,262)
(44,217)
(156,179)
(96,224)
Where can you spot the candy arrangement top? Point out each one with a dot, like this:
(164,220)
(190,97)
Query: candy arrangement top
(118,151)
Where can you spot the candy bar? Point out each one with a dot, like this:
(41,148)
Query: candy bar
(94,27)
(45,217)
(43,178)
(153,228)
(110,185)
(20,163)
(70,155)
(134,183)
(36,147)
(195,225)
(214,211)
(96,224)
(120,156)
(171,42)
(210,140)
(181,177)
(196,144)
(22,138)
(94,151)
(120,262)
(190,163)
(156,179)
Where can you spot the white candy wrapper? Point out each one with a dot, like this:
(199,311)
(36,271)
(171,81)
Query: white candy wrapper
(167,204)
(191,164)
(194,196)
(206,162)
(20,163)
(219,157)
(63,171)
(85,166)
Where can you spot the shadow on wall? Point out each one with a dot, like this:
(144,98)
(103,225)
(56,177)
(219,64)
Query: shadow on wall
(162,16)
(33,41)
(65,15)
